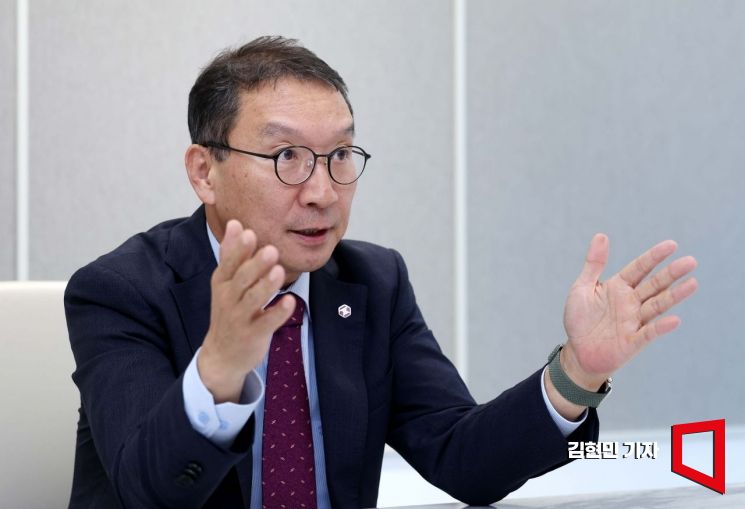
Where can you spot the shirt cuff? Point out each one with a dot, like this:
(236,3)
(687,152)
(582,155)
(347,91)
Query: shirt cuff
(220,423)
(565,426)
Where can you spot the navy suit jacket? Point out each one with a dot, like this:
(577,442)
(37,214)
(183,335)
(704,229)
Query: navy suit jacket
(137,315)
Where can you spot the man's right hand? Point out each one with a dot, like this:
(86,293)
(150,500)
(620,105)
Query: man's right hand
(240,329)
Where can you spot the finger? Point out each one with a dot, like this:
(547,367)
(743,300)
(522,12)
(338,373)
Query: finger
(657,328)
(253,269)
(638,269)
(666,277)
(255,298)
(274,317)
(654,307)
(595,261)
(237,245)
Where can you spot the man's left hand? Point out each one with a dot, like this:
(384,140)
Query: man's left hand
(609,322)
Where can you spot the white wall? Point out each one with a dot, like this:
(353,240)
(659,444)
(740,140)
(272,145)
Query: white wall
(619,116)
(7,137)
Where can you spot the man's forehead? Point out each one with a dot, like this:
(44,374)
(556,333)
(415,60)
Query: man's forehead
(296,109)
(290,90)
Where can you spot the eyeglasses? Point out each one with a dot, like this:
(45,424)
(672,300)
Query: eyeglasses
(294,165)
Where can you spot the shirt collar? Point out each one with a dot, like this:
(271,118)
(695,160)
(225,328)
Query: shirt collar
(300,287)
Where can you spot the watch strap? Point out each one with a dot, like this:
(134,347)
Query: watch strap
(568,389)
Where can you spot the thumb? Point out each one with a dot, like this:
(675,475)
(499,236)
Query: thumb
(597,258)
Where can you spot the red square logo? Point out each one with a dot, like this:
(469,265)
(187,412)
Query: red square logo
(715,482)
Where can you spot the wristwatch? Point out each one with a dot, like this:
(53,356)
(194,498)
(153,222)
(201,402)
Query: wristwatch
(571,391)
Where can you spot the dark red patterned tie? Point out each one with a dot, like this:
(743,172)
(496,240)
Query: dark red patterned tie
(288,475)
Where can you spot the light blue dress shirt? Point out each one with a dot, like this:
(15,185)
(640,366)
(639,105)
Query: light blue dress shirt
(222,422)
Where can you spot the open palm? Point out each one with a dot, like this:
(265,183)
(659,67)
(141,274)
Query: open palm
(609,322)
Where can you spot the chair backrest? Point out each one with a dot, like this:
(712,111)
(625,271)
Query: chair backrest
(38,414)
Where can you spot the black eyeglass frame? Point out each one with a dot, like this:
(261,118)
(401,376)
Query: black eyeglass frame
(275,158)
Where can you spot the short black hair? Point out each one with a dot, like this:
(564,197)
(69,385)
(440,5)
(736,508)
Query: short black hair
(214,99)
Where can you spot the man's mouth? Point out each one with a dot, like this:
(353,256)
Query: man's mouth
(311,232)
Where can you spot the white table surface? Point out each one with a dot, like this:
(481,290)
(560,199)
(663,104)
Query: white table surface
(694,497)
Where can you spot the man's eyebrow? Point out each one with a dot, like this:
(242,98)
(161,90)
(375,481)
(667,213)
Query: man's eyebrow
(275,129)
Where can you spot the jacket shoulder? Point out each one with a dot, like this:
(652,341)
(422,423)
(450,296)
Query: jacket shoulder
(141,259)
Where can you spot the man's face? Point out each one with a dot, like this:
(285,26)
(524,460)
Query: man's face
(306,221)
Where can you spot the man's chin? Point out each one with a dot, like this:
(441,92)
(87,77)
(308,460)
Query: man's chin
(306,264)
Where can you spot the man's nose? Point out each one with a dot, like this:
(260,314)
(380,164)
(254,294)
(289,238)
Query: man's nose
(319,189)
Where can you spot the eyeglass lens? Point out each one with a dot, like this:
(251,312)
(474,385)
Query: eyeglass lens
(295,164)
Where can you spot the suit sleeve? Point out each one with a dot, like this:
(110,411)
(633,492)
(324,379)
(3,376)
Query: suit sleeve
(476,453)
(132,396)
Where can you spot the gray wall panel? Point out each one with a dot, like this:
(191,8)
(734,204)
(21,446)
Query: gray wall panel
(622,117)
(7,137)
(109,92)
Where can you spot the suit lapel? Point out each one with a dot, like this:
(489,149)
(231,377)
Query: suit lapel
(191,258)
(342,393)
(193,300)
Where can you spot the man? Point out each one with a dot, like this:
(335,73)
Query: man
(196,393)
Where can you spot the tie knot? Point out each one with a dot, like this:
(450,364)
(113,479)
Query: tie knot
(296,318)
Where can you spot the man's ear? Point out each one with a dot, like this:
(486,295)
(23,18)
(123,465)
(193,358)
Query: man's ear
(199,165)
